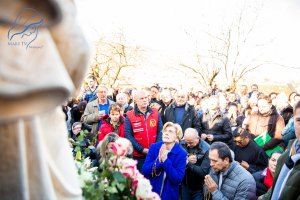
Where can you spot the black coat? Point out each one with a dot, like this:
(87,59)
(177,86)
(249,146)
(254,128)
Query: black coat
(257,159)
(189,120)
(218,125)
(287,113)
(195,173)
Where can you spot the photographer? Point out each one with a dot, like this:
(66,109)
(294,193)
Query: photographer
(197,165)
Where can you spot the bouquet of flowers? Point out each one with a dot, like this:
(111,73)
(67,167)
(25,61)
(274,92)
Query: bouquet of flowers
(118,179)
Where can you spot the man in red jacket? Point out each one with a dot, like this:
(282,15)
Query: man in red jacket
(113,122)
(143,127)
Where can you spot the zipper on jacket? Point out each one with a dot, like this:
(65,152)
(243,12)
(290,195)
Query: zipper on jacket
(147,132)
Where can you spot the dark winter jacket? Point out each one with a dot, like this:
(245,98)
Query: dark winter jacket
(257,159)
(287,113)
(189,120)
(194,173)
(218,125)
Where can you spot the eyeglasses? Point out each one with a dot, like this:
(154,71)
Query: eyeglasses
(77,128)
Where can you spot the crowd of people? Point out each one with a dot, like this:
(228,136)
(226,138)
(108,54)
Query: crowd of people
(207,145)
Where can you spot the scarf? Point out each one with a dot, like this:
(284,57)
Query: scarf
(268,179)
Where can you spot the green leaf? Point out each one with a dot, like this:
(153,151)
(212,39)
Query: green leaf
(85,131)
(87,150)
(105,173)
(80,138)
(121,186)
(78,155)
(77,148)
(119,177)
(112,190)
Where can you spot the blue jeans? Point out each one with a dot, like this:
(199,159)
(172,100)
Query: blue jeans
(140,163)
(188,194)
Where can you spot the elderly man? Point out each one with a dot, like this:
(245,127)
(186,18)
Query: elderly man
(197,165)
(227,179)
(287,175)
(96,109)
(143,127)
(121,98)
(215,125)
(182,113)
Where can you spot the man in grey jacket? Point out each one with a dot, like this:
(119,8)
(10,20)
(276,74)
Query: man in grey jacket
(96,109)
(227,179)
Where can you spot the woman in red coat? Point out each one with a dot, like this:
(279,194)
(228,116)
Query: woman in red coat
(113,122)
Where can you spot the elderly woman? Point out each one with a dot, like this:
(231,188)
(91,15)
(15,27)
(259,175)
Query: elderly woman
(165,163)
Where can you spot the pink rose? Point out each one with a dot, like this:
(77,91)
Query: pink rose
(127,166)
(112,161)
(144,189)
(121,146)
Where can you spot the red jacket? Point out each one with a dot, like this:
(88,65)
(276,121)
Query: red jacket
(145,132)
(106,127)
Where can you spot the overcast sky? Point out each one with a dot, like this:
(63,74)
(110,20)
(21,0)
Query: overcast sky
(171,31)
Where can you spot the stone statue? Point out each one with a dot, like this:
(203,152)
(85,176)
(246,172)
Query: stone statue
(43,58)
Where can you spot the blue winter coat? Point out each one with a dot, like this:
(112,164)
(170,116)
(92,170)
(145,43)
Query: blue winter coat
(174,167)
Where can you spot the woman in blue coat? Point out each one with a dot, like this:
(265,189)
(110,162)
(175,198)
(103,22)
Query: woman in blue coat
(165,163)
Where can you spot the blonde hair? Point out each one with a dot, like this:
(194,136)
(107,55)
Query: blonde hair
(177,127)
(102,146)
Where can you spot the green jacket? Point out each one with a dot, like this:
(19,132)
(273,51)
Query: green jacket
(291,189)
